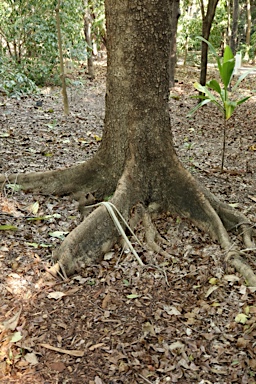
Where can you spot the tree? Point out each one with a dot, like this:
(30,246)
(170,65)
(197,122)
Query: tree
(173,47)
(88,38)
(233,38)
(248,28)
(207,18)
(136,166)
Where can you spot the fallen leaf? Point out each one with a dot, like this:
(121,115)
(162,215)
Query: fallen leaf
(96,346)
(31,358)
(211,290)
(71,352)
(148,329)
(106,301)
(55,295)
(17,336)
(58,234)
(57,366)
(241,318)
(132,296)
(8,227)
(13,322)
(231,278)
(171,310)
(176,345)
(253,198)
(242,343)
(98,380)
(33,208)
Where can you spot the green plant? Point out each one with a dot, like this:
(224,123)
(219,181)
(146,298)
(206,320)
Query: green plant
(222,100)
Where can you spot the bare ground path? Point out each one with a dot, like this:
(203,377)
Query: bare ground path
(184,319)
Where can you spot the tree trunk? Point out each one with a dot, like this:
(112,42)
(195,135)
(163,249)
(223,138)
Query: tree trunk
(62,72)
(248,29)
(88,39)
(136,162)
(228,37)
(207,19)
(233,39)
(173,46)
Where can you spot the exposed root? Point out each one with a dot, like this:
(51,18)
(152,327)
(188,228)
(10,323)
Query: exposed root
(95,236)
(231,218)
(151,235)
(91,175)
(243,268)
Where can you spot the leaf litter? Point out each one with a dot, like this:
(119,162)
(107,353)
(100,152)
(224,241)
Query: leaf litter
(183,319)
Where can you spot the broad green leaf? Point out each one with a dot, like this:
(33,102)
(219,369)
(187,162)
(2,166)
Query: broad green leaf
(243,100)
(204,102)
(228,54)
(8,227)
(213,51)
(209,45)
(229,108)
(227,72)
(204,89)
(213,84)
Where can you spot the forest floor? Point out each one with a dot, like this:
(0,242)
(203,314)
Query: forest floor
(183,319)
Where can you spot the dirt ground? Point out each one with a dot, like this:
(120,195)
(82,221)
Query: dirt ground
(186,318)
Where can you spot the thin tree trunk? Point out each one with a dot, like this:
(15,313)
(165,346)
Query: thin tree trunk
(62,72)
(233,38)
(206,28)
(228,36)
(248,28)
(173,48)
(88,39)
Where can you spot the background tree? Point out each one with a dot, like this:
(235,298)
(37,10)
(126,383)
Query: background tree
(88,38)
(173,48)
(235,16)
(207,18)
(248,29)
(136,166)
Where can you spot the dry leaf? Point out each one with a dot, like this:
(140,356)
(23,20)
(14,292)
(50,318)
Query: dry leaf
(57,366)
(242,343)
(31,358)
(98,380)
(148,329)
(176,345)
(13,322)
(171,310)
(211,290)
(95,346)
(70,352)
(55,295)
(253,198)
(106,301)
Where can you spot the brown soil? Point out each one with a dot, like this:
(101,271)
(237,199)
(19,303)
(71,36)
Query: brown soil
(183,319)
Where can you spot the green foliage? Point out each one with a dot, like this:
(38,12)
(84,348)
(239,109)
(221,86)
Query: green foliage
(29,40)
(190,26)
(219,94)
(223,101)
(13,82)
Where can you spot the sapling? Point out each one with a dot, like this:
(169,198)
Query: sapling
(223,90)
